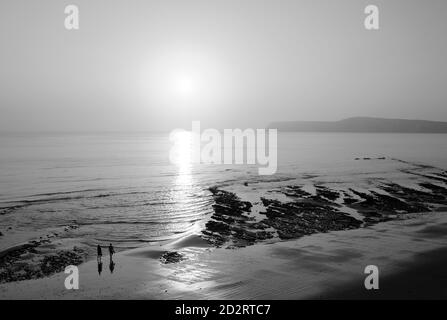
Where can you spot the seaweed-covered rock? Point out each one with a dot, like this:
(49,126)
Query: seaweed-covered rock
(25,262)
(171,257)
(307,214)
(231,223)
(59,261)
(296,219)
(386,204)
(327,193)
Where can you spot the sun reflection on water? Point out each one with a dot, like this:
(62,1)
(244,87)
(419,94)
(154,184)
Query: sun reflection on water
(181,156)
(185,194)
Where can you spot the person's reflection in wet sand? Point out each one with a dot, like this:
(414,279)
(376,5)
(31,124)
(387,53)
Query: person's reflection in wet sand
(99,268)
(99,253)
(111,265)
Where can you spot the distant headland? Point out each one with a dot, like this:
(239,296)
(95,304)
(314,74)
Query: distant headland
(363,124)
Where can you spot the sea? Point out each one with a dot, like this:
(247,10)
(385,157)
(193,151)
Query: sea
(121,188)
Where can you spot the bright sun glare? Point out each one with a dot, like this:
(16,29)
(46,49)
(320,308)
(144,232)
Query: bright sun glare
(185,86)
(182,78)
(182,149)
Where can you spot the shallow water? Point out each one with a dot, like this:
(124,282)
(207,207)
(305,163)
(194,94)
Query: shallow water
(121,188)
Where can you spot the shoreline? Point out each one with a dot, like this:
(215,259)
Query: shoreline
(320,266)
(323,230)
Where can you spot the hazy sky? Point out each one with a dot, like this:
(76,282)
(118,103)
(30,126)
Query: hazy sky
(159,64)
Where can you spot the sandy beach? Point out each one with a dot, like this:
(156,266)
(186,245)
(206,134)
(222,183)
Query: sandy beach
(410,255)
(305,238)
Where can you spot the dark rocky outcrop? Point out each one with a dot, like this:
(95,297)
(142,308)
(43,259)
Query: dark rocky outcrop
(232,224)
(295,219)
(385,204)
(171,257)
(25,262)
(327,193)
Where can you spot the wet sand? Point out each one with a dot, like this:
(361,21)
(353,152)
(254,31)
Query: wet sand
(410,255)
(307,238)
(425,278)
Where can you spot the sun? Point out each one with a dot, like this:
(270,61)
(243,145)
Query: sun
(183,78)
(185,86)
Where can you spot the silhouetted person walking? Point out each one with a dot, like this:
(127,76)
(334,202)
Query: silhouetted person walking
(111,251)
(99,253)
(99,268)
